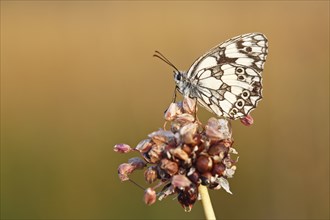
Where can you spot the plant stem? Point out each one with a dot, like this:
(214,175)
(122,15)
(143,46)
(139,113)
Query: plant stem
(206,201)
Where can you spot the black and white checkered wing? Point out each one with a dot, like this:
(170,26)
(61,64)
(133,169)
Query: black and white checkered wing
(228,78)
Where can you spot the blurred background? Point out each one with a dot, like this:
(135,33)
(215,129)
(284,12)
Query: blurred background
(79,77)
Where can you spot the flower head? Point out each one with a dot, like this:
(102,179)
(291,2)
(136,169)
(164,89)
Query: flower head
(185,156)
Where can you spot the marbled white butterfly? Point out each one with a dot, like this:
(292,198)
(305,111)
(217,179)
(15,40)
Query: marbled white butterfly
(227,79)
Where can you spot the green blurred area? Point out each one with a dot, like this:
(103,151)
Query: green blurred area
(79,77)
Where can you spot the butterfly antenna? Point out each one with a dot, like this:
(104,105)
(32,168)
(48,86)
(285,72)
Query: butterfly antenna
(163,58)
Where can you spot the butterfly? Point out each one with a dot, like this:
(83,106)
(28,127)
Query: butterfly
(227,79)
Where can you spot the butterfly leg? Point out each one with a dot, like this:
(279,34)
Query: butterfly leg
(195,113)
(174,95)
(164,126)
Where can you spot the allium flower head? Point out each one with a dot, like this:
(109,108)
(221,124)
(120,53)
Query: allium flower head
(184,156)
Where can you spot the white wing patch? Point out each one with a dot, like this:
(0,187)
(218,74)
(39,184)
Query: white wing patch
(230,97)
(245,61)
(207,62)
(211,83)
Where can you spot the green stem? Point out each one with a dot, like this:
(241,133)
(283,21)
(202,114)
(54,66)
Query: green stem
(206,201)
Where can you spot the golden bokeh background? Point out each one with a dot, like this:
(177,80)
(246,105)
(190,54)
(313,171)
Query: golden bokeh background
(78,77)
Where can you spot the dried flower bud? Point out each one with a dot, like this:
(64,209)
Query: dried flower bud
(180,154)
(155,153)
(215,186)
(172,111)
(162,136)
(215,149)
(185,118)
(166,191)
(150,175)
(137,162)
(233,151)
(247,120)
(180,181)
(213,122)
(229,172)
(144,145)
(218,129)
(163,175)
(188,132)
(175,127)
(149,196)
(224,184)
(169,166)
(122,148)
(124,170)
(213,133)
(189,105)
(228,142)
(204,164)
(225,128)
(227,162)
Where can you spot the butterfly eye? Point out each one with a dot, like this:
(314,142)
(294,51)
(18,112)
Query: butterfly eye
(178,76)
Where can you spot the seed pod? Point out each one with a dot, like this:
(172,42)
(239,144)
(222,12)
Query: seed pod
(218,169)
(186,148)
(198,149)
(204,164)
(194,177)
(206,178)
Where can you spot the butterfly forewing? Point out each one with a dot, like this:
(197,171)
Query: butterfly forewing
(228,79)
